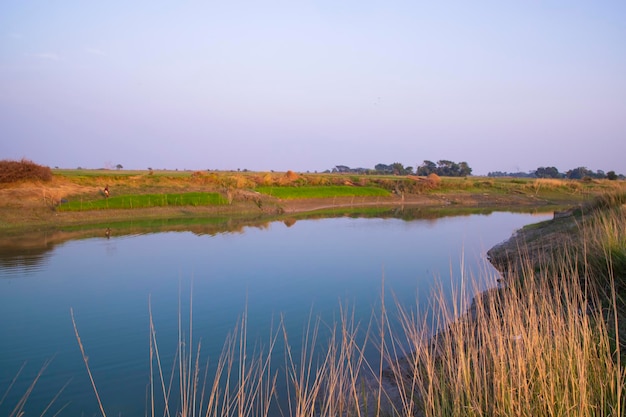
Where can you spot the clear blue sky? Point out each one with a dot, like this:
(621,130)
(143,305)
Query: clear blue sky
(307,85)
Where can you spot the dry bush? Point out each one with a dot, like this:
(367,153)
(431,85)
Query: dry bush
(289,178)
(198,177)
(242,181)
(433,180)
(213,178)
(266,180)
(24,170)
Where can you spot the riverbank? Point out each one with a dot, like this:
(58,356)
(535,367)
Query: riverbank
(37,205)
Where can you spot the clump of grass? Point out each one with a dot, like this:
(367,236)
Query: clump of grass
(24,170)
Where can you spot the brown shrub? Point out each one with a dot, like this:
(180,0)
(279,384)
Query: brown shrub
(14,171)
(288,178)
(198,177)
(433,180)
(267,180)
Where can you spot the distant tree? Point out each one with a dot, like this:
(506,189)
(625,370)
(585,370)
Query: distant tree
(427,168)
(398,168)
(530,174)
(383,168)
(448,168)
(119,166)
(464,169)
(547,172)
(611,175)
(579,173)
(341,168)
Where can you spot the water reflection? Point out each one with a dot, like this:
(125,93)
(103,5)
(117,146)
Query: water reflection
(25,256)
(28,252)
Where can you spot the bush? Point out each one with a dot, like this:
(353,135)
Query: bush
(433,180)
(14,171)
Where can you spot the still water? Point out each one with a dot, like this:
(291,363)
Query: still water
(278,270)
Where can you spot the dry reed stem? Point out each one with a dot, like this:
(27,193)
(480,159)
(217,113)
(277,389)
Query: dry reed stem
(86,360)
(243,393)
(12,383)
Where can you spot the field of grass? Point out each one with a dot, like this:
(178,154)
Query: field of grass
(329,191)
(145,201)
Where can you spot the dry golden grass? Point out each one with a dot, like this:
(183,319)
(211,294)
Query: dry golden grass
(530,350)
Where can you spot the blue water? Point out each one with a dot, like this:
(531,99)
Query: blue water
(276,271)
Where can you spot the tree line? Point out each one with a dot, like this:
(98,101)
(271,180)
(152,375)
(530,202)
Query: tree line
(443,168)
(578,173)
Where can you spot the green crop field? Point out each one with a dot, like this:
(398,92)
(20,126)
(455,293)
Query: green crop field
(145,201)
(287,193)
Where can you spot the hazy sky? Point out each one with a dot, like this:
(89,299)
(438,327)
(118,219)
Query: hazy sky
(307,85)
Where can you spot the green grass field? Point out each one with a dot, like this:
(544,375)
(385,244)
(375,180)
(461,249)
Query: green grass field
(287,193)
(146,201)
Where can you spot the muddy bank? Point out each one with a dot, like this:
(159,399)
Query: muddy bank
(534,244)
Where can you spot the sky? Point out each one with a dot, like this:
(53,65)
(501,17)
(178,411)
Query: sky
(307,85)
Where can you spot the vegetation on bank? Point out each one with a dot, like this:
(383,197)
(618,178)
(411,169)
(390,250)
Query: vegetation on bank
(292,185)
(591,236)
(74,197)
(392,183)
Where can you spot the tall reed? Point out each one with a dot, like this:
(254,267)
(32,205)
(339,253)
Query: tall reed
(537,348)
(242,384)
